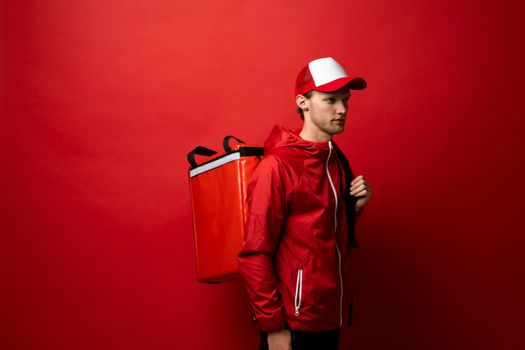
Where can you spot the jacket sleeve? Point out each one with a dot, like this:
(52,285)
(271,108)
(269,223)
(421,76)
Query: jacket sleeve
(266,199)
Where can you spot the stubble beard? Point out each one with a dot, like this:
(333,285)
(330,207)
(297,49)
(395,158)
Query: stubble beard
(333,128)
(338,127)
(330,127)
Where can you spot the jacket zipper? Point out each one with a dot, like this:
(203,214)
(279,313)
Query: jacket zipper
(298,291)
(335,229)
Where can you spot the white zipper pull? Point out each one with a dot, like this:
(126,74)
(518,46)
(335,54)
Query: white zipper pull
(298,291)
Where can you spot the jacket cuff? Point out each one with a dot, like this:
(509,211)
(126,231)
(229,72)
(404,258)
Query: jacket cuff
(272,324)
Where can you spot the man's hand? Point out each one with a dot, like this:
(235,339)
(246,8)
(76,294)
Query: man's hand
(361,190)
(280,340)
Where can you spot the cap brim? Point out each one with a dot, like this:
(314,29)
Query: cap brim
(351,83)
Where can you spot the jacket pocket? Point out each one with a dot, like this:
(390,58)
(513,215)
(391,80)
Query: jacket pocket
(298,291)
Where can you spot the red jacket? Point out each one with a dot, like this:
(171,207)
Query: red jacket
(295,257)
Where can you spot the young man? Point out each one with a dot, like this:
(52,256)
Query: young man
(302,205)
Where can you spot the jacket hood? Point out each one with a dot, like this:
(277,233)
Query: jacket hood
(281,137)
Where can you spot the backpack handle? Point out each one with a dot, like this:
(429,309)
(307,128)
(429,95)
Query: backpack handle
(201,151)
(226,142)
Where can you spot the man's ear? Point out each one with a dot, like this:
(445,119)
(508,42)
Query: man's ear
(301,102)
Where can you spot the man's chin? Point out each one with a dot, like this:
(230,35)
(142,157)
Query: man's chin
(337,130)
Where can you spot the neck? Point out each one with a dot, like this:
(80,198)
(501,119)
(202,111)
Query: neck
(311,133)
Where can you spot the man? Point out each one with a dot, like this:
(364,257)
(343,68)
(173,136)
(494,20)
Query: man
(302,203)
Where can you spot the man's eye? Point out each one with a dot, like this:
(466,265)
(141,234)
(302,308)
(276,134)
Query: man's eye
(331,100)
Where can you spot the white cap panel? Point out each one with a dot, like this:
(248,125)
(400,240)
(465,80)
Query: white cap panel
(325,70)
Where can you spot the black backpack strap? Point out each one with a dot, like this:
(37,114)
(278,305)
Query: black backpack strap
(201,151)
(226,143)
(350,200)
(251,151)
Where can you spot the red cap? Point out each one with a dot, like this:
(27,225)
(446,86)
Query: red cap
(325,74)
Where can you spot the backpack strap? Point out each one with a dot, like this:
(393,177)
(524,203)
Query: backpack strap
(350,200)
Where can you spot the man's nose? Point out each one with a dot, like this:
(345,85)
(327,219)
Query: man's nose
(341,108)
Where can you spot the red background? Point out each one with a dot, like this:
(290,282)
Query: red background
(102,100)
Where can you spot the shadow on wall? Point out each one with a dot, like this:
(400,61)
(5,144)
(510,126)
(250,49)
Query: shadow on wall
(389,287)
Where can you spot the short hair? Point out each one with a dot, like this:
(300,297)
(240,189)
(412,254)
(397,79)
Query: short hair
(299,110)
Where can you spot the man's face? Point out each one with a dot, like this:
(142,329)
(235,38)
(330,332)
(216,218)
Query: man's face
(327,111)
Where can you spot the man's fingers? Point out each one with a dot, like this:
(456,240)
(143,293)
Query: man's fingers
(360,187)
(357,183)
(363,193)
(356,188)
(356,179)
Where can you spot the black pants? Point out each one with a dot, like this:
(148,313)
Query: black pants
(325,340)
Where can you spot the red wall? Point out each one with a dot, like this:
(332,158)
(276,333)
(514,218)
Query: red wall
(101,100)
